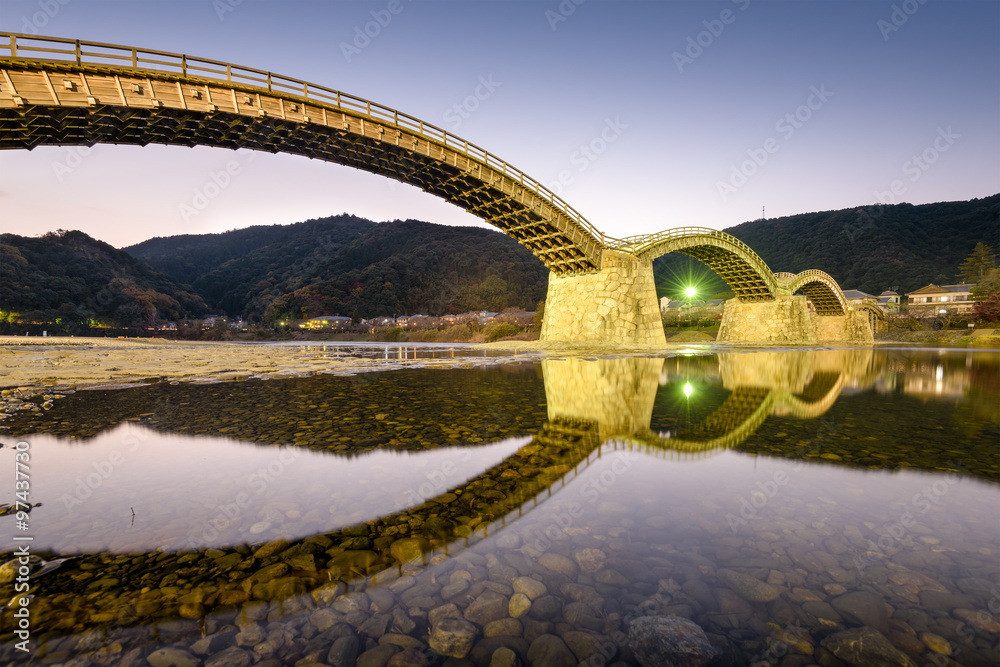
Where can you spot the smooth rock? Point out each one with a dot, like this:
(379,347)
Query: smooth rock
(865,646)
(409,548)
(551,651)
(344,651)
(378,656)
(533,588)
(452,637)
(504,657)
(505,627)
(489,606)
(863,608)
(519,605)
(558,563)
(747,587)
(172,657)
(590,560)
(411,657)
(936,643)
(231,657)
(668,641)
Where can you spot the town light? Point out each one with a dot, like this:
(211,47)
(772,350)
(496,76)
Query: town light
(690,292)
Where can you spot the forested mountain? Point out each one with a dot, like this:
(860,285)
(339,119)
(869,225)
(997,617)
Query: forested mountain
(873,248)
(70,277)
(350,266)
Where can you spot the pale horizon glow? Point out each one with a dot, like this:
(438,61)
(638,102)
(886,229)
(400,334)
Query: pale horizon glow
(642,116)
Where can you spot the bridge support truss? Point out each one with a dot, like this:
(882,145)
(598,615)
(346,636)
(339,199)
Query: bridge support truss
(614,306)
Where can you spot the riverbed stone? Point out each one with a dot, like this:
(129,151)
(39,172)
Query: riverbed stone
(863,608)
(559,563)
(866,646)
(532,588)
(230,657)
(409,549)
(489,606)
(519,605)
(378,656)
(504,657)
(505,627)
(172,657)
(551,651)
(747,587)
(665,641)
(452,637)
(590,560)
(344,651)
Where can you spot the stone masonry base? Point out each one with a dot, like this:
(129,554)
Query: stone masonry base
(614,306)
(788,321)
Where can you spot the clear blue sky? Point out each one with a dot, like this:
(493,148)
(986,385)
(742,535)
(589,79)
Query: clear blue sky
(695,113)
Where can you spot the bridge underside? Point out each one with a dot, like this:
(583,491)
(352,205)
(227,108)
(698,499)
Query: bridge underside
(64,105)
(746,283)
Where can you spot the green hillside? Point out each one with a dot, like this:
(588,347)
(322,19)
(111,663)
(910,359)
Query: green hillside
(873,248)
(74,279)
(350,266)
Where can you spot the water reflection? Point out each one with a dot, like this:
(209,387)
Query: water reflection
(572,480)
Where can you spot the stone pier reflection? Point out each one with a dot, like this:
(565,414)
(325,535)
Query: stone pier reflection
(594,406)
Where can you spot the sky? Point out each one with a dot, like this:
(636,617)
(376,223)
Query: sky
(642,115)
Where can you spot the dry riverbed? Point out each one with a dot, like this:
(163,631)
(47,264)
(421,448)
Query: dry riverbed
(32,367)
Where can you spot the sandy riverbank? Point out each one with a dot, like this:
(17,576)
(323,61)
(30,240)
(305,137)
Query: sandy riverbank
(63,362)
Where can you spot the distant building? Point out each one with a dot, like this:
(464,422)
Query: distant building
(856,297)
(709,306)
(522,318)
(335,322)
(930,301)
(888,301)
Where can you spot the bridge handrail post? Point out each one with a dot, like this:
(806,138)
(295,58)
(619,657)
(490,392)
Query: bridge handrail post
(135,57)
(13,46)
(79,53)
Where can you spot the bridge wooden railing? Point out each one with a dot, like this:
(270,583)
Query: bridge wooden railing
(17,46)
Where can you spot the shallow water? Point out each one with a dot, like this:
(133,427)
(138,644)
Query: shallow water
(781,500)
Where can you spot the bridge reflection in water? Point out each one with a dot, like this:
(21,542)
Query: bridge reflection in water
(595,408)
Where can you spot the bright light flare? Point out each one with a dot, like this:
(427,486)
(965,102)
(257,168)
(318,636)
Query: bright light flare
(690,292)
(688,389)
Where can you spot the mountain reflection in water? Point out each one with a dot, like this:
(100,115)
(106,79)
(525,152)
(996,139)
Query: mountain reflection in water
(639,483)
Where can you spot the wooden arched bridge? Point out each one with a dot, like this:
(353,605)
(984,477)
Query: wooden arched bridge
(63,92)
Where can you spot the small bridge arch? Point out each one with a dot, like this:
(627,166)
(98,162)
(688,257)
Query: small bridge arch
(734,261)
(821,289)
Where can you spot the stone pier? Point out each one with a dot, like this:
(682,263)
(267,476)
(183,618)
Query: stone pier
(788,321)
(614,306)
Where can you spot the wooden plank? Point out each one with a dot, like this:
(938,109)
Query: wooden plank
(52,91)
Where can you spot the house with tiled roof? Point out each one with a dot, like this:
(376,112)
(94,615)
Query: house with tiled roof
(933,300)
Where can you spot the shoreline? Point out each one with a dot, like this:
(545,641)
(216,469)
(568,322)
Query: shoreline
(62,362)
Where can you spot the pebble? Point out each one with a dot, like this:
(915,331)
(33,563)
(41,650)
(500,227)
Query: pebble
(747,587)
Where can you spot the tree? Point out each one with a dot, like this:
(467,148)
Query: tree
(989,309)
(987,286)
(975,267)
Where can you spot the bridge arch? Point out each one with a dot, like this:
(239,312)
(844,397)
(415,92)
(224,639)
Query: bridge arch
(821,289)
(734,261)
(65,92)
(876,316)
